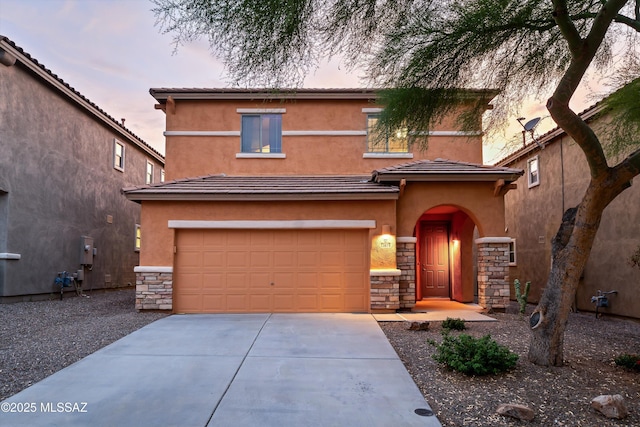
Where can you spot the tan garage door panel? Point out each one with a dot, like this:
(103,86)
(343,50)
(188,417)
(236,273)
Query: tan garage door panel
(271,271)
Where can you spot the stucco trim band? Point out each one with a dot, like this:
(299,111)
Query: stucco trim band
(448,133)
(261,156)
(493,240)
(8,255)
(201,133)
(261,110)
(387,272)
(324,133)
(274,225)
(152,269)
(387,156)
(406,239)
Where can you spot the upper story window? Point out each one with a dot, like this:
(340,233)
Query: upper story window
(149,175)
(533,172)
(261,133)
(161,175)
(118,155)
(389,142)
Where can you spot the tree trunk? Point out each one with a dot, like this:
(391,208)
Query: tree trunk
(570,251)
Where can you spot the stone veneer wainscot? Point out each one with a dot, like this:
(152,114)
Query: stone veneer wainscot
(406,261)
(154,288)
(493,272)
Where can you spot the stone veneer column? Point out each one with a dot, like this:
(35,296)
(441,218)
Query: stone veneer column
(493,272)
(385,290)
(154,288)
(406,261)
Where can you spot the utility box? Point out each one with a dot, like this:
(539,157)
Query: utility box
(86,250)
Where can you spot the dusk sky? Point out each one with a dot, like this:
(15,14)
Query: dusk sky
(112,52)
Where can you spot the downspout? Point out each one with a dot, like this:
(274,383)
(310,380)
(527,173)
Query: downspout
(562,174)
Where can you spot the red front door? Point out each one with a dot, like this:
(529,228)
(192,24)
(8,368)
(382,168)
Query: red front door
(434,259)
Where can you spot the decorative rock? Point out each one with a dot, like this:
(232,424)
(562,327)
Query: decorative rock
(611,406)
(419,326)
(514,410)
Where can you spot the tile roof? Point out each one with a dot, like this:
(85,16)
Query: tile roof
(550,136)
(445,170)
(161,94)
(292,187)
(76,96)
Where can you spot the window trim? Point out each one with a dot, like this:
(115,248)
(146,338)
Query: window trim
(531,183)
(117,166)
(513,250)
(148,175)
(260,115)
(371,115)
(137,238)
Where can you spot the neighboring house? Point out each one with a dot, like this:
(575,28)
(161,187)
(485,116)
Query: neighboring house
(63,163)
(557,176)
(286,202)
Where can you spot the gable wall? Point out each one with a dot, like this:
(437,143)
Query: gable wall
(56,165)
(190,156)
(534,215)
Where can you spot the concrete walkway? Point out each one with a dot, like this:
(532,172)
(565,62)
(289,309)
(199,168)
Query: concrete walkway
(232,370)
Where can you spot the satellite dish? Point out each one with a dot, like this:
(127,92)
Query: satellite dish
(530,127)
(531,124)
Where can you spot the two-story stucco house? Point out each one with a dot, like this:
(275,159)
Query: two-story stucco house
(557,176)
(63,163)
(285,202)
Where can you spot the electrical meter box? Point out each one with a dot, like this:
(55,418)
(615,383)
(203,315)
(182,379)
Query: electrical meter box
(86,250)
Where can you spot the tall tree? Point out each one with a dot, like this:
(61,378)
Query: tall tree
(426,50)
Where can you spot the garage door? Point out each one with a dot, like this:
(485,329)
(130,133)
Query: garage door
(234,271)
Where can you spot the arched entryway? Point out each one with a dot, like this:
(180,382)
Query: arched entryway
(445,254)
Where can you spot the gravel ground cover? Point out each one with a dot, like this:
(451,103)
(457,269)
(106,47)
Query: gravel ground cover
(40,338)
(559,396)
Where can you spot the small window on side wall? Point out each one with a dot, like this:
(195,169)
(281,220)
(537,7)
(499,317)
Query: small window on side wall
(138,238)
(512,253)
(533,172)
(118,155)
(149,175)
(161,175)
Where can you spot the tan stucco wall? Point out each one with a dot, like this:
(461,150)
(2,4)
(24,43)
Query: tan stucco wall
(476,199)
(190,156)
(158,239)
(534,215)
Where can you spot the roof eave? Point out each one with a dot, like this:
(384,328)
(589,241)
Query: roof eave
(448,177)
(162,95)
(138,197)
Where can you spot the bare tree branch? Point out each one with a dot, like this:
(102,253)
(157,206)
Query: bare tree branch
(566,25)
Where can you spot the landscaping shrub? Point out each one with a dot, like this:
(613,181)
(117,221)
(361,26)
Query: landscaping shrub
(473,356)
(457,324)
(629,361)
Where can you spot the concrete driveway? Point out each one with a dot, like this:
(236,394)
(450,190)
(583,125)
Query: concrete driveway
(232,370)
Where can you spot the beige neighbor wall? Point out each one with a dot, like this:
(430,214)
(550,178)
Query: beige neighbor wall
(534,215)
(158,238)
(190,156)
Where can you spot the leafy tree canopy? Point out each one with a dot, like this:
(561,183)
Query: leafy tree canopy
(433,47)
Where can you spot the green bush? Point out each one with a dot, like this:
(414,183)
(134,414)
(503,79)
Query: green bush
(474,356)
(629,361)
(457,324)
